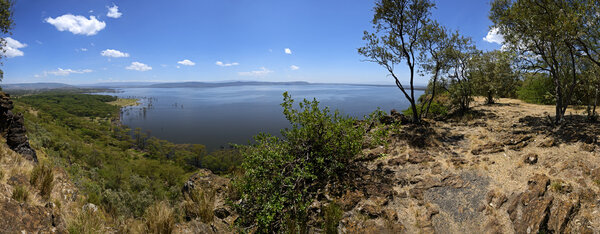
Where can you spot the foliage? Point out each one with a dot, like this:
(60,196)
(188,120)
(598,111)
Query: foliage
(199,203)
(6,24)
(545,35)
(493,75)
(20,193)
(436,109)
(102,162)
(537,88)
(42,177)
(160,218)
(282,175)
(399,27)
(332,214)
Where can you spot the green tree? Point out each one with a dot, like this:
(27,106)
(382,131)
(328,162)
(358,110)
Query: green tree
(398,28)
(544,33)
(493,75)
(459,75)
(6,24)
(434,50)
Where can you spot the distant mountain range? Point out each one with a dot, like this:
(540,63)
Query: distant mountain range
(43,86)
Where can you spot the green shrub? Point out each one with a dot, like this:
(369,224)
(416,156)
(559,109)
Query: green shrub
(20,194)
(199,203)
(160,218)
(282,175)
(42,178)
(436,109)
(537,89)
(332,214)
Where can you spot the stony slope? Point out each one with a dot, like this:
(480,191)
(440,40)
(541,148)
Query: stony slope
(503,169)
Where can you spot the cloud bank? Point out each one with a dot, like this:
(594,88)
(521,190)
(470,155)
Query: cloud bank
(137,66)
(12,47)
(77,24)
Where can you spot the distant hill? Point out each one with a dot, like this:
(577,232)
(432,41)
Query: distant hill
(191,84)
(222,84)
(36,86)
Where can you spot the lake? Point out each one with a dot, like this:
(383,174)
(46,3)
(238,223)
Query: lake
(218,116)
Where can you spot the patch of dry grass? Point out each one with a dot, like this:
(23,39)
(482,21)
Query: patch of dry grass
(199,203)
(159,218)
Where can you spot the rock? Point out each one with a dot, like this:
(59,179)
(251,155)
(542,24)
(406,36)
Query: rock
(534,216)
(350,199)
(12,127)
(18,217)
(373,211)
(588,147)
(495,199)
(547,143)
(419,157)
(595,174)
(221,213)
(488,148)
(205,179)
(18,180)
(530,158)
(560,215)
(90,208)
(536,188)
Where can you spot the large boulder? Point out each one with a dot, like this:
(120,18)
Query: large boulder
(12,127)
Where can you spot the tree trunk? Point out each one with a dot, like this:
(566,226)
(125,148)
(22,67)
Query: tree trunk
(559,100)
(490,98)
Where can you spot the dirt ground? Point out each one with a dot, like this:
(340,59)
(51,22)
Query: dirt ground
(502,169)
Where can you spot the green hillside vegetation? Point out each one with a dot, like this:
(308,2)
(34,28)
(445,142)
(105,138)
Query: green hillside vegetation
(122,174)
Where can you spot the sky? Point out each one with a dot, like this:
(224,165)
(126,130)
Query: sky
(97,41)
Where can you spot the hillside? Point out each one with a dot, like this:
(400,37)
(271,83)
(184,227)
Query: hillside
(502,168)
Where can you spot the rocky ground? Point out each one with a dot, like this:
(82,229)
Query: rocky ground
(502,169)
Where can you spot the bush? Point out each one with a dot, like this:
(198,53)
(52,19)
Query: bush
(20,194)
(332,214)
(159,218)
(436,109)
(200,203)
(42,178)
(538,89)
(282,175)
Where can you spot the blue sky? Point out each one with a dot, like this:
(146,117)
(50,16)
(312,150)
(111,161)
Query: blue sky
(93,41)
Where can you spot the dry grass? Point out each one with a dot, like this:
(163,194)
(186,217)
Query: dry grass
(86,221)
(42,177)
(199,203)
(159,218)
(20,194)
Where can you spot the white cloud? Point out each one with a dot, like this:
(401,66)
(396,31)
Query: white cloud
(83,49)
(294,67)
(63,72)
(494,36)
(262,72)
(12,46)
(77,24)
(186,62)
(288,51)
(114,53)
(137,66)
(113,11)
(219,63)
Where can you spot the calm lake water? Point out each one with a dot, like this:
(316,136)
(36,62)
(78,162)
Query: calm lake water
(216,117)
